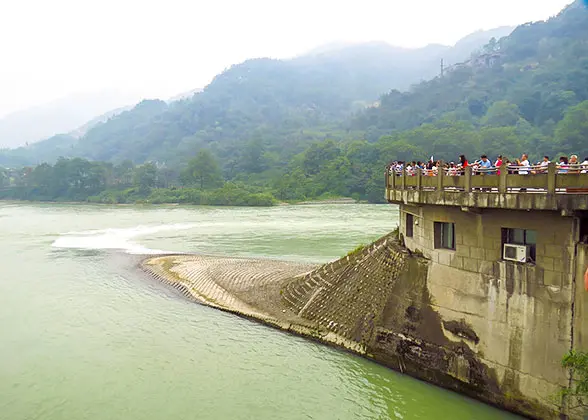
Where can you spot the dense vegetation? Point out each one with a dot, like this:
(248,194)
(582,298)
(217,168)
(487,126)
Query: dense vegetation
(577,393)
(527,92)
(97,182)
(300,129)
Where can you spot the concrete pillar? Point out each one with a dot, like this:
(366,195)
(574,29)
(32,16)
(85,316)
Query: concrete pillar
(502,181)
(468,179)
(440,176)
(551,174)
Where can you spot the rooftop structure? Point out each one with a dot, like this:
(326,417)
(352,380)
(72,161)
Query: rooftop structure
(534,188)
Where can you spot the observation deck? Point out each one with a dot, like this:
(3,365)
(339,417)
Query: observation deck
(515,188)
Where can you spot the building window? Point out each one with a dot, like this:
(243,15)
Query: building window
(409,225)
(444,235)
(517,236)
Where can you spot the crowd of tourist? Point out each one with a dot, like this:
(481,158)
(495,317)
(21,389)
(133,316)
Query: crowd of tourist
(484,165)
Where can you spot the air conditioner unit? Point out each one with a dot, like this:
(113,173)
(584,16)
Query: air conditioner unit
(518,253)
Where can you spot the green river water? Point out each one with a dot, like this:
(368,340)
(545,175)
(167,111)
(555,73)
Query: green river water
(84,335)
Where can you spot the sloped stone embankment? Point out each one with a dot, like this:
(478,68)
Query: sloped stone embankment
(375,302)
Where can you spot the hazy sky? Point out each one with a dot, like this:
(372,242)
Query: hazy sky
(53,48)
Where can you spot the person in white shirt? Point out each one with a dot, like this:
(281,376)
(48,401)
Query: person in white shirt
(543,164)
(574,169)
(585,165)
(524,164)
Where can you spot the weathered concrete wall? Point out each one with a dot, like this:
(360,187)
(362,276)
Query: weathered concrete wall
(521,313)
(581,300)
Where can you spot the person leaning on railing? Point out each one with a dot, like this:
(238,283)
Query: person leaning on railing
(584,165)
(562,166)
(498,164)
(543,165)
(574,165)
(523,164)
(485,166)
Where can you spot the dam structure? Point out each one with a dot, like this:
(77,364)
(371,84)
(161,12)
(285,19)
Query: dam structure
(479,291)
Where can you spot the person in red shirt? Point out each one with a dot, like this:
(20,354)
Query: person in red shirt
(463,163)
(498,164)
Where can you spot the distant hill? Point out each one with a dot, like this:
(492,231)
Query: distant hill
(275,102)
(529,78)
(184,95)
(404,66)
(83,129)
(59,116)
(526,93)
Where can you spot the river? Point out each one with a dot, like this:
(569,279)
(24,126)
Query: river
(84,335)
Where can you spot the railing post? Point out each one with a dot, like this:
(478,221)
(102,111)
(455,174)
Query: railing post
(419,180)
(502,184)
(387,174)
(440,176)
(392,175)
(403,177)
(551,174)
(468,179)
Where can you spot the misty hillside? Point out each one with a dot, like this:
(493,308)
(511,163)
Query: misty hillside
(269,100)
(298,129)
(410,66)
(516,93)
(59,116)
(83,129)
(184,95)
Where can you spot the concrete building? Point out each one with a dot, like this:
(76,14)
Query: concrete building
(507,257)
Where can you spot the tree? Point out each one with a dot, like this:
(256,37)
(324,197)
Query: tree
(501,114)
(318,154)
(577,362)
(203,170)
(123,173)
(145,177)
(253,157)
(571,133)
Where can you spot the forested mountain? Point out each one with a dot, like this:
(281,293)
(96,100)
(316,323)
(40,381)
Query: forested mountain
(299,128)
(284,104)
(84,128)
(511,98)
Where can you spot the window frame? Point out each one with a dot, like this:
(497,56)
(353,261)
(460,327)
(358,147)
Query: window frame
(409,225)
(508,237)
(440,230)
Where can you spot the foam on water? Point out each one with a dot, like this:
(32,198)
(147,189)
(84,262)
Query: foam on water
(116,238)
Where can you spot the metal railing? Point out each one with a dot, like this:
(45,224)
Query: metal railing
(550,179)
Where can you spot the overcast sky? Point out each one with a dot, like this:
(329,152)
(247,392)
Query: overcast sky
(54,48)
